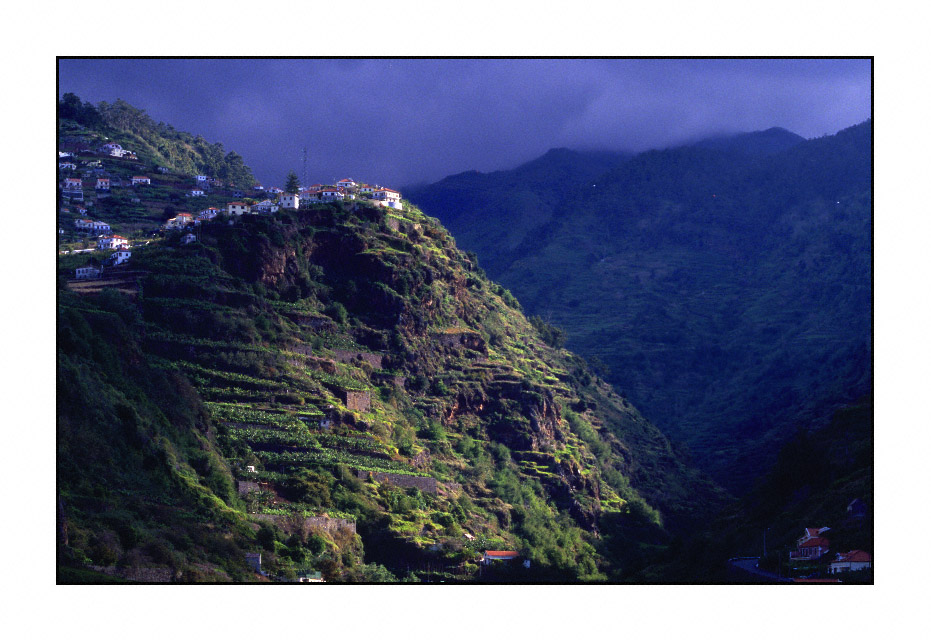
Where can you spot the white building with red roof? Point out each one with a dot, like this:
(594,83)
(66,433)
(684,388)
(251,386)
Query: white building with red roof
(73,184)
(112,242)
(103,184)
(182,219)
(387,197)
(346,182)
(811,545)
(141,180)
(329,194)
(851,561)
(499,556)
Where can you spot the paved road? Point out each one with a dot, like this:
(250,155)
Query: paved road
(748,565)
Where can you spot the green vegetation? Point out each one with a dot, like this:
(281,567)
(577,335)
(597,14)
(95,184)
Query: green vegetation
(155,144)
(227,360)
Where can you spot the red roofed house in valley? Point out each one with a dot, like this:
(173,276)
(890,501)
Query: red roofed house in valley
(851,561)
(103,184)
(811,545)
(346,182)
(491,556)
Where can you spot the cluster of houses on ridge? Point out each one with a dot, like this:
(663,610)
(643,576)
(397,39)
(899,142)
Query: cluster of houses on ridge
(93,175)
(346,189)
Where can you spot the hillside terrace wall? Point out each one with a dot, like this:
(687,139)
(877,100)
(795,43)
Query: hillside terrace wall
(292,523)
(424,484)
(360,400)
(371,358)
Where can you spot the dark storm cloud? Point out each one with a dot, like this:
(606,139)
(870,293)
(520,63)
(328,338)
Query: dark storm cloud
(401,121)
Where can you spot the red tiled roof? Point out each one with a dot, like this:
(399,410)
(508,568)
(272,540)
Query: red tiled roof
(815,541)
(855,556)
(501,553)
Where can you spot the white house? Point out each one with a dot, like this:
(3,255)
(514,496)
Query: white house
(114,242)
(188,238)
(269,207)
(182,219)
(119,257)
(103,184)
(201,179)
(67,166)
(207,214)
(387,197)
(73,184)
(237,209)
(141,180)
(289,201)
(346,182)
(88,272)
(84,224)
(274,190)
(197,192)
(100,227)
(851,561)
(329,194)
(113,149)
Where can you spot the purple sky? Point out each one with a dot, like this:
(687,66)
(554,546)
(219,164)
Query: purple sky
(398,122)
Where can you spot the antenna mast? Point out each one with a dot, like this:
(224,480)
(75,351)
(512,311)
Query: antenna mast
(304,166)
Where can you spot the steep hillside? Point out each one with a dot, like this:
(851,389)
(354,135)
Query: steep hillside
(342,390)
(82,125)
(726,285)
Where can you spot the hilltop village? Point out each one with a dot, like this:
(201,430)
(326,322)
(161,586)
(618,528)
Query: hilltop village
(93,181)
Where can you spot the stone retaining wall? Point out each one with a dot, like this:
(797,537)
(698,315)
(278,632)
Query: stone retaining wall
(295,524)
(424,484)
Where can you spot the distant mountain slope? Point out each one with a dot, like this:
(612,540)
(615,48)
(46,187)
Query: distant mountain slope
(155,144)
(764,143)
(726,285)
(517,201)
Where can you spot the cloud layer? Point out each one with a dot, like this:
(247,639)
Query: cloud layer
(403,121)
